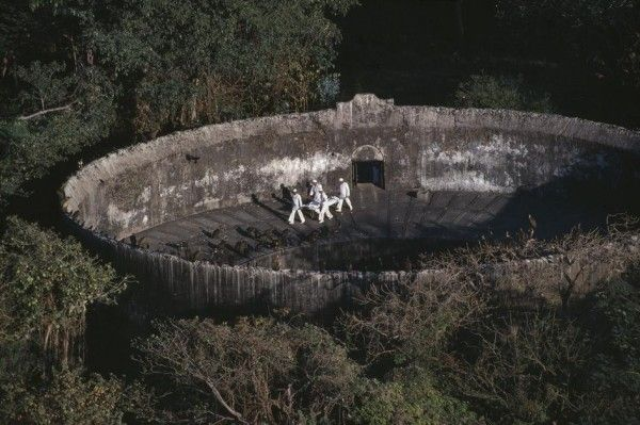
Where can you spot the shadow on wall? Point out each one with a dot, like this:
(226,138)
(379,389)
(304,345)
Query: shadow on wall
(171,286)
(582,197)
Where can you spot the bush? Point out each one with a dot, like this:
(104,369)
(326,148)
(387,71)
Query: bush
(192,62)
(66,398)
(485,91)
(46,286)
(612,384)
(414,321)
(410,397)
(256,371)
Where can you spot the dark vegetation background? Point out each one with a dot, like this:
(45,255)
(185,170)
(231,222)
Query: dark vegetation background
(80,78)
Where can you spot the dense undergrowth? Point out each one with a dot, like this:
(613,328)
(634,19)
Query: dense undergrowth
(456,345)
(490,337)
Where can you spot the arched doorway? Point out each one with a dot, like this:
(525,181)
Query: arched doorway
(368,166)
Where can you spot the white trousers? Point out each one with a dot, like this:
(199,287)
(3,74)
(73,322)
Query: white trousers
(324,211)
(347,200)
(292,216)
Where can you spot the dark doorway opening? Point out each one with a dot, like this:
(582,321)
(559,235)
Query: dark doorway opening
(368,172)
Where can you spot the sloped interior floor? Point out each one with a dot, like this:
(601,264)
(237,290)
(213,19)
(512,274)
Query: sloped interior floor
(385,228)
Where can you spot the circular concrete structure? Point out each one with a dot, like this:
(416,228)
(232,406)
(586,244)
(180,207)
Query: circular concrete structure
(201,215)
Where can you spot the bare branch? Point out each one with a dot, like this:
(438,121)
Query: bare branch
(46,111)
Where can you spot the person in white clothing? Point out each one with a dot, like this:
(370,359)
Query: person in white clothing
(296,207)
(317,197)
(314,189)
(324,207)
(345,194)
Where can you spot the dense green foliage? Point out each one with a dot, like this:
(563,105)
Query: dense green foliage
(434,351)
(441,349)
(603,34)
(65,398)
(76,71)
(253,372)
(484,91)
(198,62)
(46,285)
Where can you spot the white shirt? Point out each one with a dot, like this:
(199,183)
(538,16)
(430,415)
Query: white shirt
(315,188)
(345,191)
(297,201)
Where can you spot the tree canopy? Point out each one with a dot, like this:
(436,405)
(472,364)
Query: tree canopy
(602,33)
(76,71)
(46,286)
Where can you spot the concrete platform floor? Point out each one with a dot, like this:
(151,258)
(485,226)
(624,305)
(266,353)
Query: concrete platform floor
(248,232)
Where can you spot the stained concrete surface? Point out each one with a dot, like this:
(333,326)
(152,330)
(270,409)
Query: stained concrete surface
(468,150)
(251,233)
(201,200)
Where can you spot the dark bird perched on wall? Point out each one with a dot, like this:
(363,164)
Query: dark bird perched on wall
(177,245)
(266,240)
(242,248)
(192,158)
(286,235)
(212,234)
(253,232)
(138,243)
(215,248)
(313,236)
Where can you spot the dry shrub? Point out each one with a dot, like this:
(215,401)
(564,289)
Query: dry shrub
(413,319)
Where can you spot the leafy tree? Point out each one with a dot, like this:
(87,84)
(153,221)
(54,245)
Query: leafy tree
(600,33)
(68,67)
(525,367)
(485,91)
(46,286)
(412,323)
(58,102)
(193,62)
(411,396)
(66,398)
(612,386)
(252,372)
(66,114)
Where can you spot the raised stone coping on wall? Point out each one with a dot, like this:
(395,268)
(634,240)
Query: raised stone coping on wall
(224,165)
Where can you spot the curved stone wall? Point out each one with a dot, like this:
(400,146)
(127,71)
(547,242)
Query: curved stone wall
(433,148)
(225,165)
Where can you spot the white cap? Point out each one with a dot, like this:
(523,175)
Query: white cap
(314,181)
(295,190)
(340,179)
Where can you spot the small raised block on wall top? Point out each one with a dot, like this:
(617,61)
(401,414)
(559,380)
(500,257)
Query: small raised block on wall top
(361,106)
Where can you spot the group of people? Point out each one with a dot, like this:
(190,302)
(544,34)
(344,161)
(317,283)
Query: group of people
(320,202)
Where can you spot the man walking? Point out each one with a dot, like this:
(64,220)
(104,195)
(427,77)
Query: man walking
(296,207)
(345,193)
(314,189)
(324,207)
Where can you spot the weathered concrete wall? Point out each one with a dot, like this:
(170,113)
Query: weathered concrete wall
(435,148)
(224,165)
(183,287)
